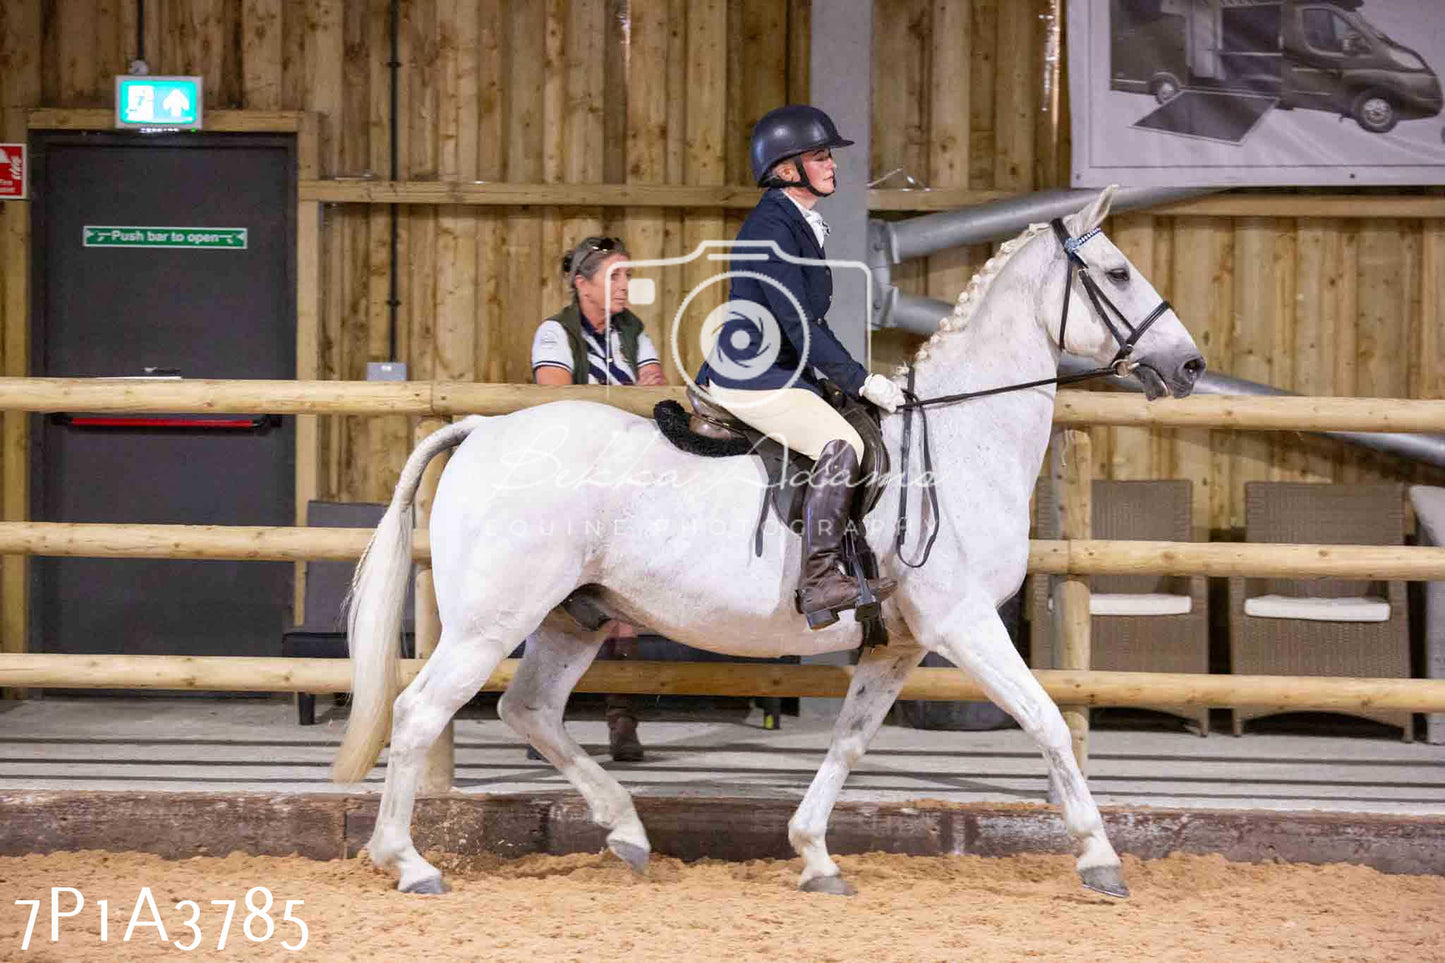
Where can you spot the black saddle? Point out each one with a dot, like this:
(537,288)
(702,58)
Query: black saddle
(714,432)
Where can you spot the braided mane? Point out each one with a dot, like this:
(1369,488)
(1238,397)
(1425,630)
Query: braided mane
(973,295)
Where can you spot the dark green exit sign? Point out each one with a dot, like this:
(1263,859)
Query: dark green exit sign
(158,103)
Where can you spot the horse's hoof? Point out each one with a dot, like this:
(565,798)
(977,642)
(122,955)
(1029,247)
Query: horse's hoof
(426,886)
(832,885)
(1108,880)
(631,854)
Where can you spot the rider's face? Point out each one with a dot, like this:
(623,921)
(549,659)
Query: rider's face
(819,166)
(820,169)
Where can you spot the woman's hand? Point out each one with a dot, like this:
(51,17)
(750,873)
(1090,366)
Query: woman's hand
(883,393)
(650,375)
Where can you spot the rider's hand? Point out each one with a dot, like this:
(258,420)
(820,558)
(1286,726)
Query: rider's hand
(883,393)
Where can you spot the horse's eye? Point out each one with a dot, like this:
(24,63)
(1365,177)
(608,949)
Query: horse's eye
(1119,274)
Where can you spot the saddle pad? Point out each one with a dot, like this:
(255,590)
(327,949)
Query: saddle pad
(1137,603)
(1357,609)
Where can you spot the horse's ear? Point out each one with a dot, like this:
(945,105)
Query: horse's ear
(1094,213)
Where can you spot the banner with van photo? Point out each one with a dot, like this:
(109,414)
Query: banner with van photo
(1178,93)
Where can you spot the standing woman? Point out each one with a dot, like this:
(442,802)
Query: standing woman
(595,340)
(792,156)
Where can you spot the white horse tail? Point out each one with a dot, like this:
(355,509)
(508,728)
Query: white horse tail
(373,612)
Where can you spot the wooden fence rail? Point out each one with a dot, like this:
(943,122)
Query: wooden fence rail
(1061,557)
(449,398)
(248,674)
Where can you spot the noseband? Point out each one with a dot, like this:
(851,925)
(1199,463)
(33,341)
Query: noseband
(1120,366)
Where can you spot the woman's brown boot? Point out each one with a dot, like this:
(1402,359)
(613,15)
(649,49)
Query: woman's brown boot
(824,588)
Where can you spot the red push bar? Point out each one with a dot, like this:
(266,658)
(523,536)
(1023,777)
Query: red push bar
(100,421)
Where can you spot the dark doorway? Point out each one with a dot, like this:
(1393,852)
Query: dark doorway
(114,311)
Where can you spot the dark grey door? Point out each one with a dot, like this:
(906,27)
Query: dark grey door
(208,313)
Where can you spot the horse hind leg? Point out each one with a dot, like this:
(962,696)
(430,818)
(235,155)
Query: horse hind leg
(877,680)
(533,705)
(451,676)
(973,638)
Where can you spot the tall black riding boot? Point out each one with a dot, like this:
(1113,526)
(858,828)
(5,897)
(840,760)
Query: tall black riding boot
(825,589)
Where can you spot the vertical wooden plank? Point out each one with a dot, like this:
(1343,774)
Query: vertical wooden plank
(1282,361)
(758,76)
(898,112)
(492,104)
(198,33)
(1432,307)
(295,28)
(458,44)
(422,291)
(647,136)
(984,47)
(583,70)
(706,122)
(1071,471)
(1131,450)
(15,454)
(1381,328)
(261,36)
(1345,312)
(109,51)
(21,40)
(800,50)
(1308,458)
(615,52)
(75,44)
(308,342)
(555,292)
(1017,92)
(1050,157)
(522,301)
(324,57)
(950,42)
(439,765)
(1199,291)
(1253,341)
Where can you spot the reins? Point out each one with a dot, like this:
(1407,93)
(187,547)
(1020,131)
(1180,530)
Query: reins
(1120,365)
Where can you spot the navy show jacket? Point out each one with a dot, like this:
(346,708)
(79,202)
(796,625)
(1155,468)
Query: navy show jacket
(776,218)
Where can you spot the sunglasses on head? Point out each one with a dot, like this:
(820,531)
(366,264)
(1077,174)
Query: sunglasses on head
(573,260)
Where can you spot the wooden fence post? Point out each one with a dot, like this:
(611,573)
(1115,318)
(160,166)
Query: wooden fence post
(1072,475)
(436,773)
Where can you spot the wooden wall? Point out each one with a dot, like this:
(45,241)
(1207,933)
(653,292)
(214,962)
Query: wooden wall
(665,91)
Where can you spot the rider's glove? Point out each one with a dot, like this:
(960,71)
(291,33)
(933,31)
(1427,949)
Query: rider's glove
(883,393)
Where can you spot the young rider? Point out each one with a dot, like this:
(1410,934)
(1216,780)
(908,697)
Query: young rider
(791,153)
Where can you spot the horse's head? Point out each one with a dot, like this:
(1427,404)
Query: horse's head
(1113,314)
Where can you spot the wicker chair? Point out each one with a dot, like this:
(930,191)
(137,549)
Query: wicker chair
(1333,515)
(1144,510)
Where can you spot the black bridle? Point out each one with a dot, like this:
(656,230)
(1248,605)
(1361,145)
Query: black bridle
(1120,365)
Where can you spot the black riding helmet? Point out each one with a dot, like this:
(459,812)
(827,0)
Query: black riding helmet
(788,132)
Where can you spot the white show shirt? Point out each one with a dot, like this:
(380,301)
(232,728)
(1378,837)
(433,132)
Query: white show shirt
(815,220)
(551,349)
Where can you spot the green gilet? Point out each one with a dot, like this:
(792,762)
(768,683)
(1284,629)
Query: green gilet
(629,329)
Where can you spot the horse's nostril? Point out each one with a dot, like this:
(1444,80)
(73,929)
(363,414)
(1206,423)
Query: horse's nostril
(1194,367)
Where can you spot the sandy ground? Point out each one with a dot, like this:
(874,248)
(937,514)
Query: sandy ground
(589,907)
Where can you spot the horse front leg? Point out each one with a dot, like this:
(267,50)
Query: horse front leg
(877,680)
(973,637)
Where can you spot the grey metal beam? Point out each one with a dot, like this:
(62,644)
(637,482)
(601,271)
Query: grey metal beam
(840,82)
(1001,219)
